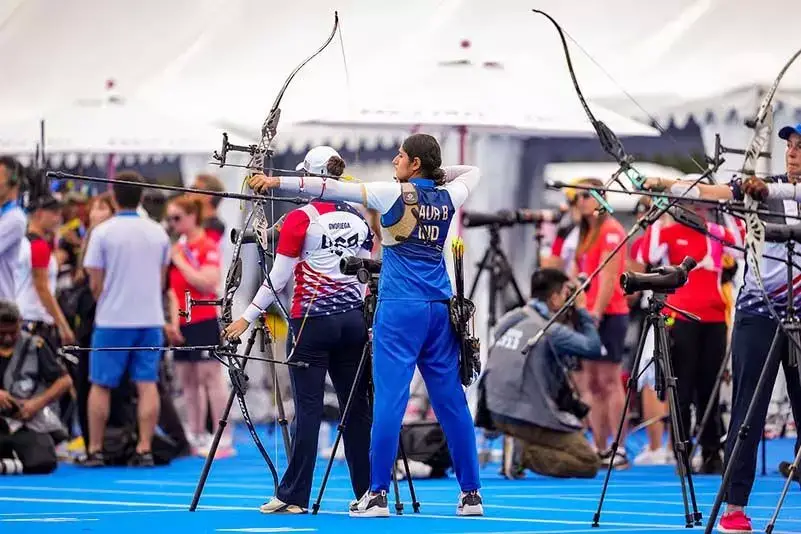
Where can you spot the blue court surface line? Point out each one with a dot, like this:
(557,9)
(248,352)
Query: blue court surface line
(120,500)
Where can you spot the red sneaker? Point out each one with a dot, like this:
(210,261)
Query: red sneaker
(735,523)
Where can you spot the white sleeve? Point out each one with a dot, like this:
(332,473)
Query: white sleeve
(283,266)
(570,245)
(460,180)
(12,230)
(379,196)
(784,192)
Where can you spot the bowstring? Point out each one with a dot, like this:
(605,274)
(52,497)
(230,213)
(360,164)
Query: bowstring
(348,87)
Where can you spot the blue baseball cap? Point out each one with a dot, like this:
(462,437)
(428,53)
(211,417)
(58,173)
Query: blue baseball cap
(785,132)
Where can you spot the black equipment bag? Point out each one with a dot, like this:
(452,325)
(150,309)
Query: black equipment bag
(425,442)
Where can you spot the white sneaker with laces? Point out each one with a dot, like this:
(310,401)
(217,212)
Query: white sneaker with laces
(370,505)
(470,504)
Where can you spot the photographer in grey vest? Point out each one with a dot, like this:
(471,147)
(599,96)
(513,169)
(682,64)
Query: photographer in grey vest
(31,380)
(529,396)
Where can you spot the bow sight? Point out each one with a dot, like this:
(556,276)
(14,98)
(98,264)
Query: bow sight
(252,150)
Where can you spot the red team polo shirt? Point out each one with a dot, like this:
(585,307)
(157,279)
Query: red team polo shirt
(201,252)
(610,235)
(701,295)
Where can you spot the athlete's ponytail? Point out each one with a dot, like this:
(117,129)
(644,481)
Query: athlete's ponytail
(335,166)
(426,149)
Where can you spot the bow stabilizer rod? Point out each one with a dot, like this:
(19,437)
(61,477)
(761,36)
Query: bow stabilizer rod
(58,175)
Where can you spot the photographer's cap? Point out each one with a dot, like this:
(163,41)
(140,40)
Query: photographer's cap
(316,160)
(785,132)
(46,202)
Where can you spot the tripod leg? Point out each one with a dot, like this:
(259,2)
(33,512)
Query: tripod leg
(222,423)
(481,266)
(773,356)
(415,504)
(398,503)
(680,445)
(710,405)
(785,489)
(341,427)
(631,387)
(508,269)
(794,362)
(282,422)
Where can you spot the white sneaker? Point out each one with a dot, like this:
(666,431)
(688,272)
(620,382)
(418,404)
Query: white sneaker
(225,448)
(416,469)
(470,503)
(370,505)
(650,456)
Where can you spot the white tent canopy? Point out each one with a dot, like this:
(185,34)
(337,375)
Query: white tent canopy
(110,125)
(230,57)
(497,102)
(725,114)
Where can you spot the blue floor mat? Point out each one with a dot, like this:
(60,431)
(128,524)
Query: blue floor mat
(119,500)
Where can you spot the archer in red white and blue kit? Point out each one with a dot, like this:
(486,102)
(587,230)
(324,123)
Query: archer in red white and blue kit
(320,288)
(754,325)
(327,318)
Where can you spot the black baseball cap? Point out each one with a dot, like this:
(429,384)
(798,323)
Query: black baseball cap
(46,202)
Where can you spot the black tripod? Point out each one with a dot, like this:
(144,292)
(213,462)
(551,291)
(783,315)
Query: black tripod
(792,325)
(665,384)
(238,385)
(370,302)
(500,275)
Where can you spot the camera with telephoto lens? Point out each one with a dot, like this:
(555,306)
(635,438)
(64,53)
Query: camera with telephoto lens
(363,268)
(568,401)
(12,411)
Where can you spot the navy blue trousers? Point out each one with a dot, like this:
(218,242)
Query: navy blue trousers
(332,343)
(408,333)
(751,339)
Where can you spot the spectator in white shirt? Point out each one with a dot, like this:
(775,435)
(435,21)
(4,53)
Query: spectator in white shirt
(126,258)
(12,225)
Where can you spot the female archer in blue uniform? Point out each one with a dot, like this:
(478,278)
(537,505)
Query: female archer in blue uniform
(412,320)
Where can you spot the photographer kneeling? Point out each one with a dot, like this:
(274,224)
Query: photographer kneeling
(31,378)
(529,396)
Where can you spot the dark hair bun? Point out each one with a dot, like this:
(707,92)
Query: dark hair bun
(335,166)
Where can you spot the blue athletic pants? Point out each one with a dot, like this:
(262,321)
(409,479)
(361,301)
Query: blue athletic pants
(406,333)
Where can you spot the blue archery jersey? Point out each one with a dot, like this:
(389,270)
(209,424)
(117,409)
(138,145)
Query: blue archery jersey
(414,269)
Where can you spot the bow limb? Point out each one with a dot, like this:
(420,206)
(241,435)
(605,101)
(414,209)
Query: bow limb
(610,142)
(268,133)
(262,153)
